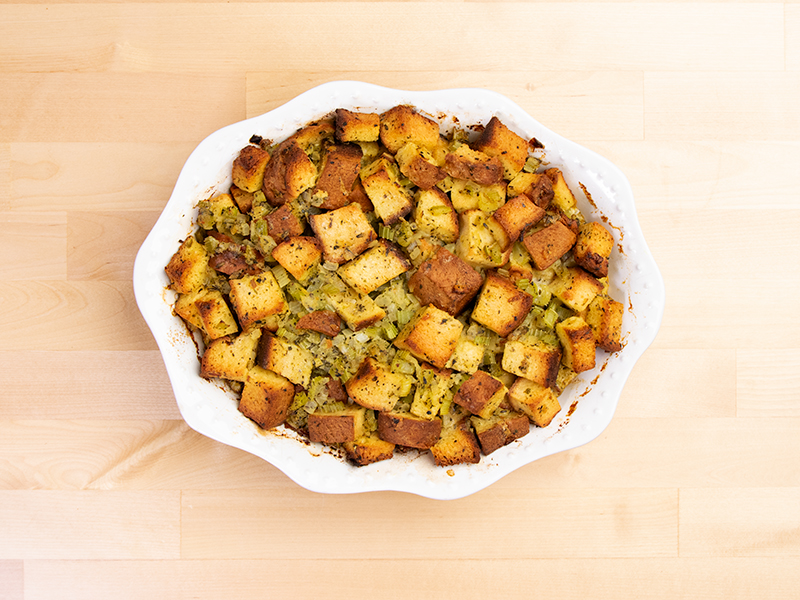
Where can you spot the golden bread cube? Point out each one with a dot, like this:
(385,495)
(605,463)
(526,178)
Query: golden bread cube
(288,173)
(283,223)
(311,138)
(381,181)
(186,309)
(445,281)
(368,449)
(403,124)
(405,429)
(467,357)
(456,445)
(248,168)
(299,256)
(375,386)
(468,195)
(357,126)
(577,340)
(535,186)
(576,288)
(539,403)
(211,212)
(434,214)
(593,248)
(430,391)
(517,214)
(562,195)
(230,358)
(481,394)
(336,427)
(356,309)
(501,305)
(243,199)
(549,244)
(266,397)
(473,165)
(482,241)
(256,297)
(419,165)
(371,269)
(604,316)
(286,359)
(188,267)
(217,318)
(500,429)
(431,335)
(343,233)
(498,140)
(537,362)
(340,168)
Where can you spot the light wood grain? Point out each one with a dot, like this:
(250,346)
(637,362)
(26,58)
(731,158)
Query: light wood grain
(33,246)
(767,383)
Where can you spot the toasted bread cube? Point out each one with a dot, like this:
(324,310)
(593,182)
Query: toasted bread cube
(243,199)
(344,233)
(434,214)
(186,309)
(538,362)
(368,449)
(498,140)
(266,397)
(467,356)
(283,223)
(535,186)
(430,391)
(482,241)
(466,163)
(325,322)
(549,244)
(381,181)
(336,427)
(405,429)
(356,309)
(375,386)
(312,137)
(562,195)
(517,214)
(188,267)
(468,195)
(217,318)
(481,394)
(419,165)
(256,297)
(501,305)
(445,281)
(593,248)
(359,196)
(340,168)
(565,377)
(576,288)
(248,168)
(288,173)
(604,316)
(500,429)
(286,359)
(370,270)
(456,445)
(357,126)
(431,335)
(539,403)
(577,340)
(403,124)
(230,358)
(212,211)
(298,255)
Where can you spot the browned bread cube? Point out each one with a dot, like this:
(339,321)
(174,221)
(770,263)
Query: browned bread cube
(419,165)
(500,429)
(256,297)
(230,358)
(285,358)
(434,214)
(536,186)
(467,357)
(498,140)
(186,309)
(356,309)
(593,248)
(562,195)
(538,402)
(283,223)
(577,340)
(549,244)
(298,255)
(248,168)
(344,233)
(217,318)
(516,214)
(431,335)
(501,305)
(405,429)
(368,449)
(244,200)
(288,173)
(188,266)
(403,124)
(370,270)
(604,316)
(482,241)
(266,397)
(456,445)
(375,386)
(357,127)
(466,163)
(481,394)
(340,169)
(445,281)
(336,427)
(538,362)
(325,322)
(576,288)
(312,137)
(381,181)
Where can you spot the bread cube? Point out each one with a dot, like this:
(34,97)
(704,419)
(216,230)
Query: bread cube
(517,214)
(466,163)
(565,377)
(431,335)
(356,309)
(256,297)
(212,211)
(501,305)
(498,140)
(336,427)
(481,394)
(340,168)
(405,429)
(186,310)
(313,137)
(375,386)
(500,429)
(230,358)
(188,267)
(370,270)
(286,359)
(577,340)
(434,214)
(283,223)
(368,449)
(604,316)
(419,166)
(539,403)
(430,391)
(576,288)
(445,281)
(217,318)
(266,397)
(299,256)
(593,248)
(248,168)
(288,173)
(381,181)
(356,126)
(537,362)
(549,244)
(467,356)
(325,322)
(482,241)
(403,124)
(343,233)
(562,195)
(456,445)
(468,195)
(359,196)
(536,186)
(243,199)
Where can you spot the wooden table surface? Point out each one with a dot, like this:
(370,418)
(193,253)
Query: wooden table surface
(693,491)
